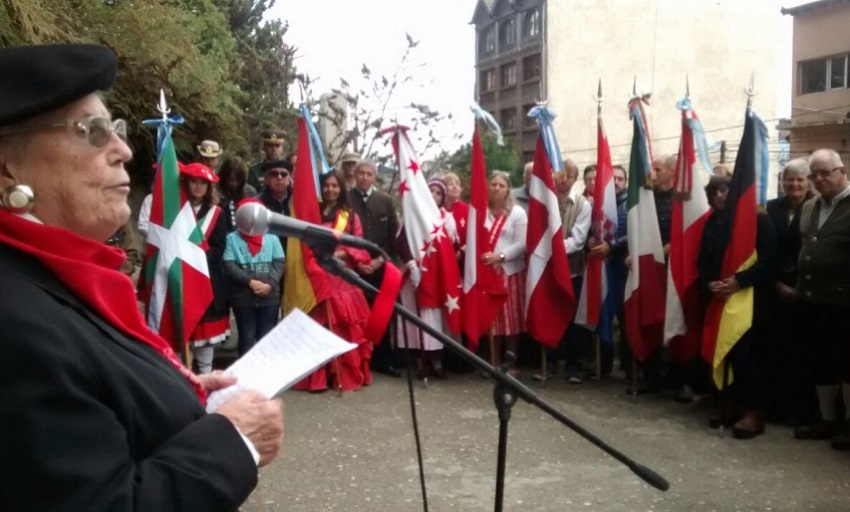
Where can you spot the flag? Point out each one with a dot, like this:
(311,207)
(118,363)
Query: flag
(484,291)
(430,244)
(594,308)
(177,279)
(305,282)
(727,320)
(683,318)
(550,303)
(644,295)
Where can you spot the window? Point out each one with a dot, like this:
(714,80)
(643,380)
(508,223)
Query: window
(531,67)
(531,24)
(825,74)
(487,40)
(837,72)
(528,122)
(508,119)
(507,32)
(508,75)
(487,80)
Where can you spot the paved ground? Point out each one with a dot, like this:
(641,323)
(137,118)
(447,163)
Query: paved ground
(356,453)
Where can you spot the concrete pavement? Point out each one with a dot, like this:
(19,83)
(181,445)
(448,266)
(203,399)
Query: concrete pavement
(356,453)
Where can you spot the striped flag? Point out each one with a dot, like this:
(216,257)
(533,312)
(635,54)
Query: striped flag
(551,302)
(305,282)
(484,292)
(594,291)
(683,320)
(644,295)
(727,320)
(177,279)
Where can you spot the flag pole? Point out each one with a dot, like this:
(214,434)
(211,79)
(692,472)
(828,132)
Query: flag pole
(598,342)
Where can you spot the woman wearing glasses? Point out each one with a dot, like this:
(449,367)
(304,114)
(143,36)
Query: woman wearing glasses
(97,411)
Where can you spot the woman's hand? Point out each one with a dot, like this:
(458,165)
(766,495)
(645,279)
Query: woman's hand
(216,380)
(259,419)
(491,258)
(786,293)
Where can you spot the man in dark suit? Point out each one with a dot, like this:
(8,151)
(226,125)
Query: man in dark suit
(380,226)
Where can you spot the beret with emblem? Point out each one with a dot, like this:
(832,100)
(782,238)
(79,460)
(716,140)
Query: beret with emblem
(38,79)
(199,170)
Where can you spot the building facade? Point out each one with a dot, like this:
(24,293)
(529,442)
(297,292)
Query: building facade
(820,106)
(558,50)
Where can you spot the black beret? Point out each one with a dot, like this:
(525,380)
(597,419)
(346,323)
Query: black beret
(38,79)
(276,164)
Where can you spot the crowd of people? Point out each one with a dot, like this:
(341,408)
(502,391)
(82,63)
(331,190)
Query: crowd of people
(778,378)
(112,392)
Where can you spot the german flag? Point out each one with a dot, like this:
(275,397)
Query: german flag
(727,320)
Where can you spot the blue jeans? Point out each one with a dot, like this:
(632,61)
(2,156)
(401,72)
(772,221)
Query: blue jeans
(253,323)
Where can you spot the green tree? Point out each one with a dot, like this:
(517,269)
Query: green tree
(496,158)
(220,65)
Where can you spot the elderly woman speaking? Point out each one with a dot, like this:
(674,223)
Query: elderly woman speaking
(97,413)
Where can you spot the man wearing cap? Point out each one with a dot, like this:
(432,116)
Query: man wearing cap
(273,150)
(277,192)
(97,411)
(209,151)
(349,161)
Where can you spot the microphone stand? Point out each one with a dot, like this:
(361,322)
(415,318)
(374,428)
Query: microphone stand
(507,388)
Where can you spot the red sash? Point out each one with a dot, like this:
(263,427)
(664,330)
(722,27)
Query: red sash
(495,231)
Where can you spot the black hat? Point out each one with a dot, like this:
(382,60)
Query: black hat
(276,164)
(38,79)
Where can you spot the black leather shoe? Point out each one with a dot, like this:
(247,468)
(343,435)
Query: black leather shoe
(389,370)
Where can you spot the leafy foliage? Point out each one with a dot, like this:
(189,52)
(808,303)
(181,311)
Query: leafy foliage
(502,158)
(223,68)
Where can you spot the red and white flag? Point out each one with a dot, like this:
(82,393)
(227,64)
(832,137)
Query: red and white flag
(603,228)
(430,244)
(683,320)
(549,288)
(484,291)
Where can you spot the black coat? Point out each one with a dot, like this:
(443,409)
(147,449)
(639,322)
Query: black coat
(378,217)
(93,420)
(787,238)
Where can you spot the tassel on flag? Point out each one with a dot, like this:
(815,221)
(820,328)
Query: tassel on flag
(644,295)
(430,244)
(177,285)
(727,320)
(683,318)
(484,292)
(551,303)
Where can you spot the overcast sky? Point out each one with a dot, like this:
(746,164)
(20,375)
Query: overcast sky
(336,37)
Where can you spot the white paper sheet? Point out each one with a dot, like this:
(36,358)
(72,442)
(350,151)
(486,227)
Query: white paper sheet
(292,350)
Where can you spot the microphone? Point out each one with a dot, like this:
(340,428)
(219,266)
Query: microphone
(255,219)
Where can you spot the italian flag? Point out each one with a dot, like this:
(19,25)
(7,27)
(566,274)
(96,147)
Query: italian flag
(177,280)
(644,296)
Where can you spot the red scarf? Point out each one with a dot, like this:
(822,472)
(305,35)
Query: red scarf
(255,242)
(90,271)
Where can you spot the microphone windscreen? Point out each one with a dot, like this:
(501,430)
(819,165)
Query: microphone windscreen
(252,219)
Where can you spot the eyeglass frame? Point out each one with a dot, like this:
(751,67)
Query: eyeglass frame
(83,128)
(823,173)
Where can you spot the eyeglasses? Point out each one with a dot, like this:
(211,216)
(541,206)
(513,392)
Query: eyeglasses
(96,130)
(823,173)
(278,174)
